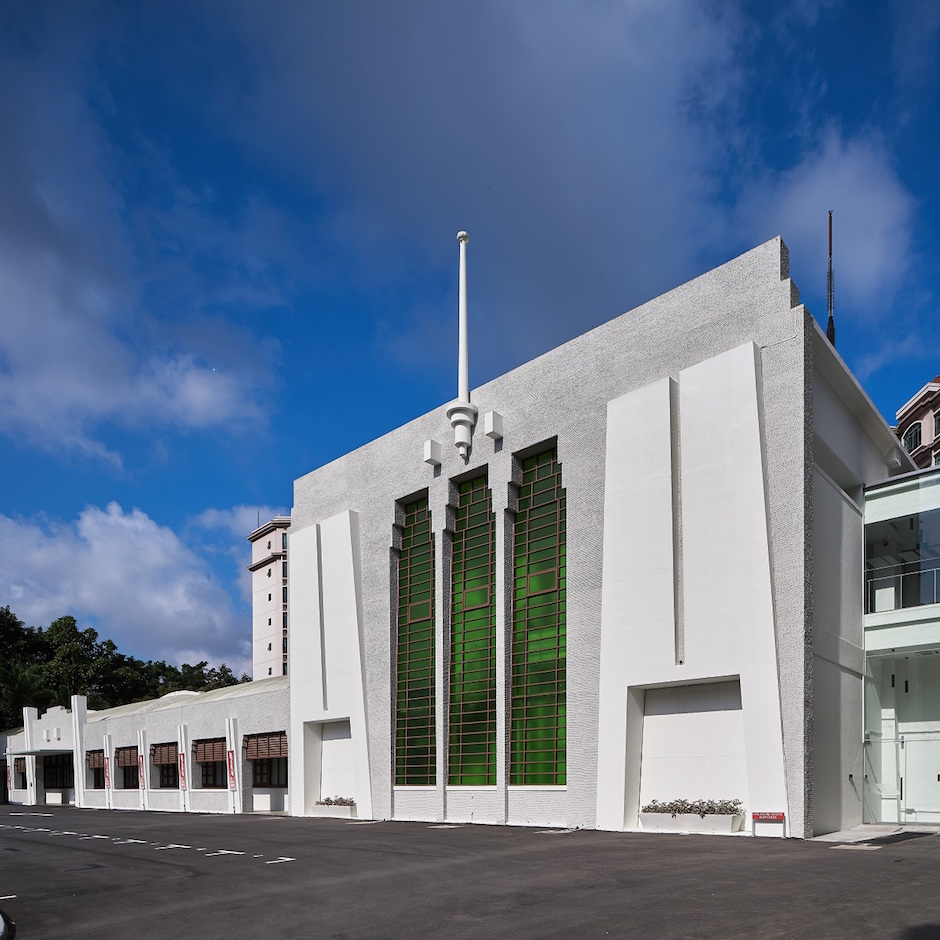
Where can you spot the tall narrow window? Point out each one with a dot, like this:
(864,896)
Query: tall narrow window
(537,741)
(415,739)
(472,749)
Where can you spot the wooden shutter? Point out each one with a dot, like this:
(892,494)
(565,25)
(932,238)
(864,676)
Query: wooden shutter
(19,765)
(262,746)
(126,756)
(208,750)
(94,759)
(164,753)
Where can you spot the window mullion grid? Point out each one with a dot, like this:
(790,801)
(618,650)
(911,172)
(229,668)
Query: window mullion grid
(538,705)
(415,732)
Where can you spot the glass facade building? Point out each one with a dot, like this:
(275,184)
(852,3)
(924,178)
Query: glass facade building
(902,651)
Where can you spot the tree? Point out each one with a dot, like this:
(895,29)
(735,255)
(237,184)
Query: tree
(47,667)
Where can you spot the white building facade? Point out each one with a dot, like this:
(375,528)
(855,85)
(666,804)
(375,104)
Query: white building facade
(644,583)
(223,751)
(639,575)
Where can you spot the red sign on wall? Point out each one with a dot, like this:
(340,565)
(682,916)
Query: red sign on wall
(9,780)
(107,773)
(232,783)
(768,817)
(182,771)
(140,771)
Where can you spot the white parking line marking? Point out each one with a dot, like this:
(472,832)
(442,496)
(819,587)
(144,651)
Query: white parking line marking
(223,852)
(92,837)
(8,897)
(257,856)
(30,814)
(277,861)
(131,842)
(172,845)
(447,826)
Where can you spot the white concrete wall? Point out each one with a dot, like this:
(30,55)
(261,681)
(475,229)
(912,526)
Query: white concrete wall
(713,555)
(693,744)
(327,639)
(839,659)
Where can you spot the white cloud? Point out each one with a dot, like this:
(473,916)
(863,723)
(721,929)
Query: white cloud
(99,280)
(891,350)
(239,521)
(872,221)
(134,581)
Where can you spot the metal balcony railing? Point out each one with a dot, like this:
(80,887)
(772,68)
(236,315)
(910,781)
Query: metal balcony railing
(897,589)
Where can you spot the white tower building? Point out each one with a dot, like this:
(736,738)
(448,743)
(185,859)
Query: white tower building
(269,598)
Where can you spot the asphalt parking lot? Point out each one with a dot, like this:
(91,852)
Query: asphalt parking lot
(75,874)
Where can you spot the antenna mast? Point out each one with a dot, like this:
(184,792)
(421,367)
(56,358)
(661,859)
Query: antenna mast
(830,326)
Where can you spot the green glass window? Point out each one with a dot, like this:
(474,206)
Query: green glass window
(415,741)
(472,746)
(537,735)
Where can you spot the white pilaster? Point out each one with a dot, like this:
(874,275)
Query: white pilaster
(79,712)
(233,765)
(184,767)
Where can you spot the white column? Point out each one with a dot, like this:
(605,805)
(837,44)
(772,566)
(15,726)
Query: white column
(79,713)
(109,770)
(30,715)
(185,767)
(233,764)
(143,768)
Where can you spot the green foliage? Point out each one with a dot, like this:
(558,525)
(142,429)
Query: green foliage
(41,668)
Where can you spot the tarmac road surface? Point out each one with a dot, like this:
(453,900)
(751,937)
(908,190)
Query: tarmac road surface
(68,874)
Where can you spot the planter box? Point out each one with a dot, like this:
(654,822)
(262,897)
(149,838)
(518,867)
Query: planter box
(691,822)
(338,812)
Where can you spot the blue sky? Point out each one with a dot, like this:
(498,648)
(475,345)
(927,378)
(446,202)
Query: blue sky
(228,255)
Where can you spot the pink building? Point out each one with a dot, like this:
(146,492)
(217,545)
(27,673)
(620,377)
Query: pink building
(918,425)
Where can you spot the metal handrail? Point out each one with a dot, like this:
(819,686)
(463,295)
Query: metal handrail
(903,599)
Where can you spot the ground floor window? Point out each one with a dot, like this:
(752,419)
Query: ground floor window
(269,772)
(213,775)
(95,763)
(126,759)
(57,772)
(166,758)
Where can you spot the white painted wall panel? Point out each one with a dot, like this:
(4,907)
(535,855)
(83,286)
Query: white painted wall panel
(326,643)
(693,744)
(637,606)
(337,776)
(728,601)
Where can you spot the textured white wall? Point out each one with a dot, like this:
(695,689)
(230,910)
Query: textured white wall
(725,626)
(326,648)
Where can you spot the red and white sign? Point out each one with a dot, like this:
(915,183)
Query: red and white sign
(182,771)
(9,779)
(768,817)
(232,783)
(107,773)
(140,771)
